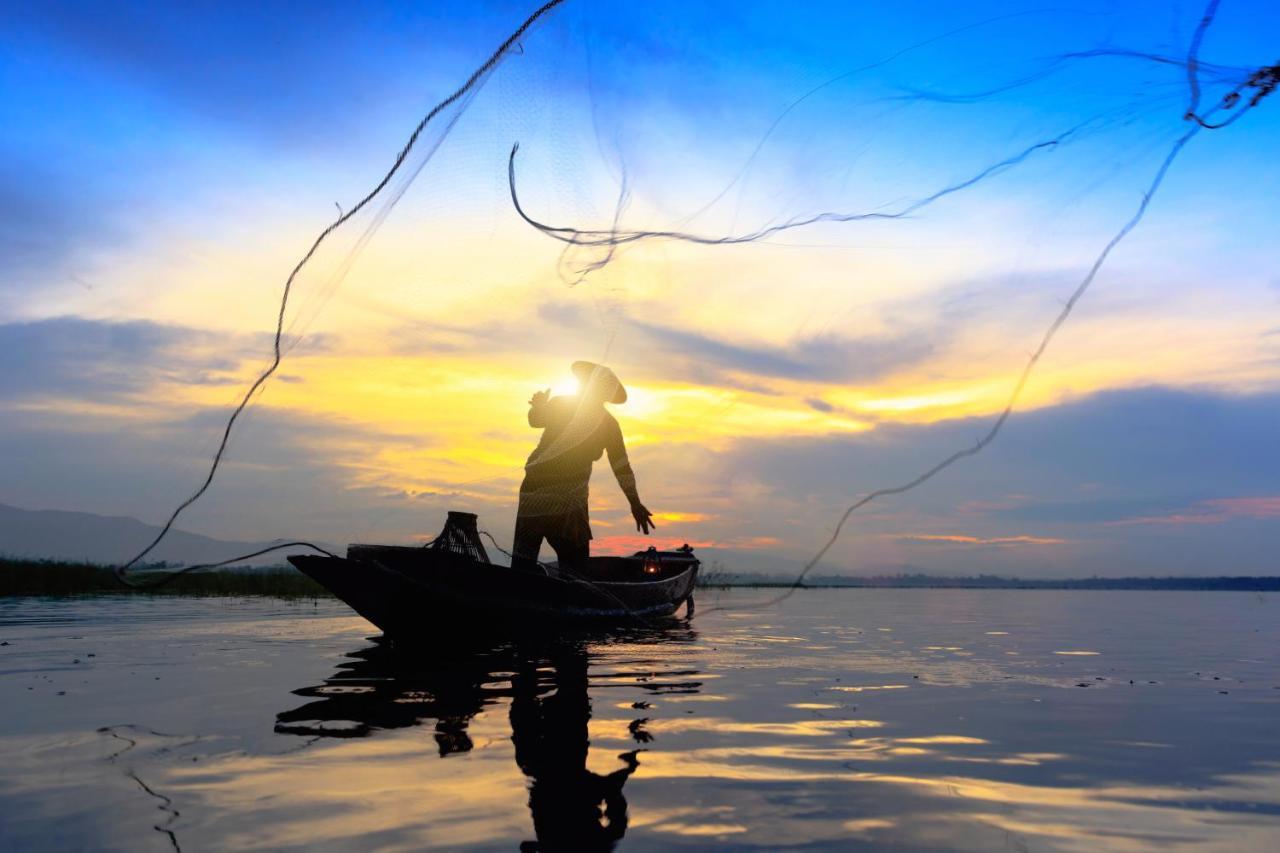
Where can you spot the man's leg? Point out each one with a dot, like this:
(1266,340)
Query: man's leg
(570,536)
(571,553)
(527,541)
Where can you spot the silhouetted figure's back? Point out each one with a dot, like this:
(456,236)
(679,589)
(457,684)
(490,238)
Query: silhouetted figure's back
(553,497)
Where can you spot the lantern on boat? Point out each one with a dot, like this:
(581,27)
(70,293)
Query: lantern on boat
(652,563)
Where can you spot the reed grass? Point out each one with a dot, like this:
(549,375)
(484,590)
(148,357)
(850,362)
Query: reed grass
(57,578)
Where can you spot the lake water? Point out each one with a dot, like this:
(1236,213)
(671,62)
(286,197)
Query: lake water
(918,719)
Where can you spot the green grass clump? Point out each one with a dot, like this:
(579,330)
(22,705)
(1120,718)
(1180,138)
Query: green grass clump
(55,577)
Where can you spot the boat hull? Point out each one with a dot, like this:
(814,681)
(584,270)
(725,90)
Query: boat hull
(410,592)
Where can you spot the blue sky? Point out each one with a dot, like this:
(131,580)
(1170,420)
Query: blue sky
(164,166)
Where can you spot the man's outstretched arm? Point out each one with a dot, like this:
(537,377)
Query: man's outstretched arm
(621,466)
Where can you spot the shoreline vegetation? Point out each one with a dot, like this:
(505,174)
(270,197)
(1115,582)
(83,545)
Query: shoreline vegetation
(26,577)
(58,578)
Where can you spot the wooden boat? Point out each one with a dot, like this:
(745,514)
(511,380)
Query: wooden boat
(451,586)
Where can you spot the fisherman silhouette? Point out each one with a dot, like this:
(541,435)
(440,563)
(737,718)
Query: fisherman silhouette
(576,431)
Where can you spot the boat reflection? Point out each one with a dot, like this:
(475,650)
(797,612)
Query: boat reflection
(547,690)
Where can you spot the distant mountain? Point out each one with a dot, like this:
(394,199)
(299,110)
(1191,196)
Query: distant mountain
(60,535)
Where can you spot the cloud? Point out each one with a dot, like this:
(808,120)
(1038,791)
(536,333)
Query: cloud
(430,337)
(627,544)
(286,474)
(106,360)
(957,539)
(100,360)
(1215,511)
(1089,486)
(682,517)
(676,353)
(817,358)
(1061,476)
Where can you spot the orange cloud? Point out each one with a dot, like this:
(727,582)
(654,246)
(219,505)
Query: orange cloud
(629,544)
(1259,507)
(997,541)
(1215,511)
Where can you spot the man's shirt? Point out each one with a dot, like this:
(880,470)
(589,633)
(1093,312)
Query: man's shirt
(573,437)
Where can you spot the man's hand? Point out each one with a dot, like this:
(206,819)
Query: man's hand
(644,518)
(539,397)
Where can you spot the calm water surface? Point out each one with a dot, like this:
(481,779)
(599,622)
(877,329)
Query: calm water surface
(984,720)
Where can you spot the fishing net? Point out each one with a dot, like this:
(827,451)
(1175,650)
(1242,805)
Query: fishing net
(766,252)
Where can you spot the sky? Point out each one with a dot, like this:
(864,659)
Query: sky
(165,167)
